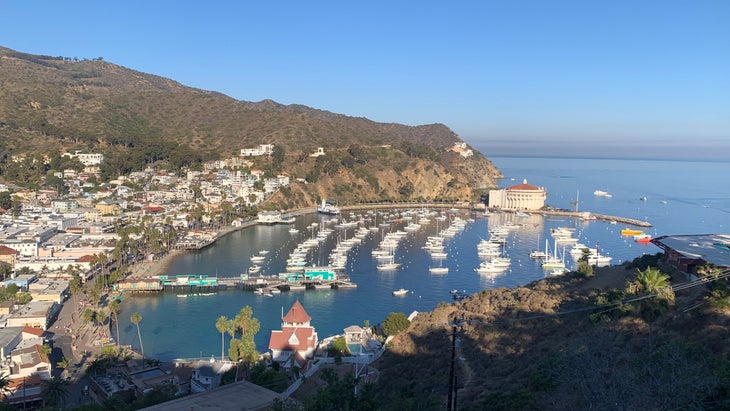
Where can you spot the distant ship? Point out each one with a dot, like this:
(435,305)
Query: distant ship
(328,208)
(601,193)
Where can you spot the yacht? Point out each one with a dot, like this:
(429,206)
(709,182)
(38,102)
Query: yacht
(328,208)
(400,292)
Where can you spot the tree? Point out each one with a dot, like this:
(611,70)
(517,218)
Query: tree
(64,364)
(136,318)
(4,383)
(395,323)
(653,282)
(244,349)
(55,393)
(5,270)
(114,310)
(222,324)
(340,345)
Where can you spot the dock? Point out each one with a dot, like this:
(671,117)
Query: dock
(204,283)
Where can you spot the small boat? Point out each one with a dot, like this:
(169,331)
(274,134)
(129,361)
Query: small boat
(631,231)
(259,291)
(557,271)
(254,269)
(438,270)
(388,266)
(642,198)
(257,258)
(644,240)
(537,254)
(400,292)
(601,193)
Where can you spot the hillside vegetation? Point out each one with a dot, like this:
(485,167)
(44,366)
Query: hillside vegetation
(568,343)
(49,105)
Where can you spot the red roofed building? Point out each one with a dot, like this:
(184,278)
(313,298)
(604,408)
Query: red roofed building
(518,197)
(9,255)
(296,341)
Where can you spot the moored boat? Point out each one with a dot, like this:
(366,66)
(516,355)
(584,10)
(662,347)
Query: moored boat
(631,231)
(328,208)
(400,292)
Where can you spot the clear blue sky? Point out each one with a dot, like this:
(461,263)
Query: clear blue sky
(507,76)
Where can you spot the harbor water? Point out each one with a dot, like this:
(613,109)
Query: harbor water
(676,197)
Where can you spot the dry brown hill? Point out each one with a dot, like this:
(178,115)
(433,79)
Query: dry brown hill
(543,347)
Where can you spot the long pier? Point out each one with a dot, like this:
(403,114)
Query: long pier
(204,283)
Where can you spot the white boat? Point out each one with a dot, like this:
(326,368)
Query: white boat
(438,270)
(388,266)
(601,193)
(557,271)
(400,292)
(254,269)
(257,258)
(537,254)
(486,267)
(328,208)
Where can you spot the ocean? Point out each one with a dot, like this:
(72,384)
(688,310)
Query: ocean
(676,197)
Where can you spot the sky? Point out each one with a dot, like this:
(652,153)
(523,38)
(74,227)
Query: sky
(510,77)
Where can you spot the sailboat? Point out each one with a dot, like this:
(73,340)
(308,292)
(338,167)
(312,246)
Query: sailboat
(552,261)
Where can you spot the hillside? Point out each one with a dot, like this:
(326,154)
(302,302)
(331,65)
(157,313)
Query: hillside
(53,104)
(542,347)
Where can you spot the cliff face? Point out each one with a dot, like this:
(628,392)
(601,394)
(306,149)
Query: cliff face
(386,173)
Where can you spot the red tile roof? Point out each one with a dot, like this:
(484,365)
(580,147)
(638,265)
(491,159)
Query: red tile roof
(524,187)
(306,338)
(297,314)
(34,331)
(84,259)
(4,250)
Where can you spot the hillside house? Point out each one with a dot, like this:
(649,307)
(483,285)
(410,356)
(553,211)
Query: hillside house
(297,340)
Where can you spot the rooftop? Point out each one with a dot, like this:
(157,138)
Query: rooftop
(711,248)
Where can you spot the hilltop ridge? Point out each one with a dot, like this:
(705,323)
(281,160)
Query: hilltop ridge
(53,104)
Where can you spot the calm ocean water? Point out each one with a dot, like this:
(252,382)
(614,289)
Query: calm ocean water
(682,197)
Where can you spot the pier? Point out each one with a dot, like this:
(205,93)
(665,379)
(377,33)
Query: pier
(204,283)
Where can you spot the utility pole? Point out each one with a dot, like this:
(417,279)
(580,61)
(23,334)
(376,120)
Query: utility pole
(450,405)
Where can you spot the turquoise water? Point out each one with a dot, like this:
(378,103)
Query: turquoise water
(682,198)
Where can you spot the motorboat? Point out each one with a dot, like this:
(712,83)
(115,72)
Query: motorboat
(438,270)
(328,208)
(400,292)
(631,231)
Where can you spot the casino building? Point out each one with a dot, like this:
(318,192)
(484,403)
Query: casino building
(518,197)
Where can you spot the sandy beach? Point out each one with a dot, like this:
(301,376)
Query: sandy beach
(149,268)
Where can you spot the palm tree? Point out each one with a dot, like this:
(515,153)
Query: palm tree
(55,393)
(4,383)
(136,318)
(114,310)
(222,325)
(653,282)
(64,364)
